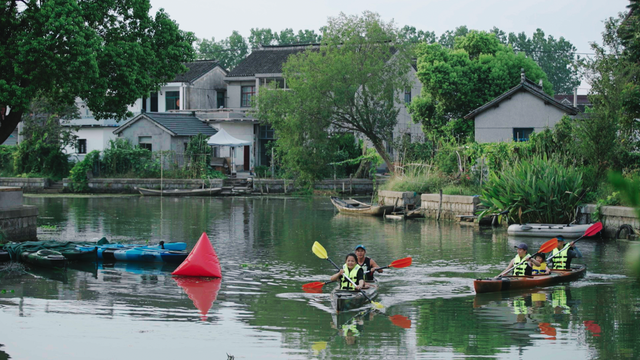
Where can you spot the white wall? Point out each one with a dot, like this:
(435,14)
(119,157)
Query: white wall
(97,139)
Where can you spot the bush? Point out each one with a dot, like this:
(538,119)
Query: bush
(537,190)
(6,159)
(78,175)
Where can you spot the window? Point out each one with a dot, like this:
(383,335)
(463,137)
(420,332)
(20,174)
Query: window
(144,142)
(279,83)
(247,94)
(172,100)
(220,99)
(407,95)
(154,102)
(522,134)
(82,146)
(266,132)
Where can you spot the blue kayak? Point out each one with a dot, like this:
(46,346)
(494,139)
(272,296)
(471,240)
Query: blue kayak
(145,255)
(173,246)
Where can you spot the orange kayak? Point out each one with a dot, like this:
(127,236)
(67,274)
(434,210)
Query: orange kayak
(526,282)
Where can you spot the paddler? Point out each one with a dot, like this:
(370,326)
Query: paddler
(522,262)
(366,263)
(353,271)
(561,256)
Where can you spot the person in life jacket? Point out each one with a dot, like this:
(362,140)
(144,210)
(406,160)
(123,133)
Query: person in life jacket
(353,271)
(539,269)
(522,263)
(561,256)
(366,263)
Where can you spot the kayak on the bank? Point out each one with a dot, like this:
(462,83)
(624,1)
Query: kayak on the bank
(344,300)
(525,282)
(44,258)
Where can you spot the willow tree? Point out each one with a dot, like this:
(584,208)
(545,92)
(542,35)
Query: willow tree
(108,53)
(351,82)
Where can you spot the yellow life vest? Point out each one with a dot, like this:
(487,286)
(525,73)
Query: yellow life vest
(538,270)
(518,270)
(353,275)
(560,260)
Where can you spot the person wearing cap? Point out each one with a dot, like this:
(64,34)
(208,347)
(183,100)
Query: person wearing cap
(522,263)
(561,256)
(366,263)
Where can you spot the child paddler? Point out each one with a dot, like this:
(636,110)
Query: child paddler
(353,271)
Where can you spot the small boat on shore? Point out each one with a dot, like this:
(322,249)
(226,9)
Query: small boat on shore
(345,300)
(355,207)
(44,258)
(569,231)
(180,192)
(526,282)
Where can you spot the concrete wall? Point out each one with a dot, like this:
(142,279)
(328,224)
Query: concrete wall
(452,205)
(201,94)
(343,186)
(18,222)
(523,110)
(27,185)
(124,186)
(612,217)
(234,92)
(405,125)
(97,139)
(398,198)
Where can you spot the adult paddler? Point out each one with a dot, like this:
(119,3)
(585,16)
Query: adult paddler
(366,263)
(353,271)
(522,262)
(562,257)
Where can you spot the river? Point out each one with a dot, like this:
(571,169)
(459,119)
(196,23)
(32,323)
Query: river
(259,311)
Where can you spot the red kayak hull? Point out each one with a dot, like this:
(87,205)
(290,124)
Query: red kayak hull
(506,283)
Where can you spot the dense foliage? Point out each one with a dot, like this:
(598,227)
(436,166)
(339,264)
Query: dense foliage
(108,53)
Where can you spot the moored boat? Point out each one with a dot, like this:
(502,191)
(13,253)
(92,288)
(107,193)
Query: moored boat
(180,192)
(344,300)
(355,207)
(87,254)
(526,282)
(174,246)
(144,255)
(4,255)
(44,258)
(569,231)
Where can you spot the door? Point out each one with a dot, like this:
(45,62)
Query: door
(247,154)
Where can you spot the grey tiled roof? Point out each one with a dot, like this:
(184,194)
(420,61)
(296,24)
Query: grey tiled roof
(266,60)
(529,86)
(196,70)
(176,123)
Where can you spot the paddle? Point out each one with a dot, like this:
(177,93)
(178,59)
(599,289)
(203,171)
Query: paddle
(400,263)
(592,230)
(322,254)
(316,284)
(544,248)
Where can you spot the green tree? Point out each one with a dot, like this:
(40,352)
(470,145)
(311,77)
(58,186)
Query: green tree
(448,38)
(457,81)
(556,57)
(349,84)
(260,37)
(411,35)
(228,52)
(108,53)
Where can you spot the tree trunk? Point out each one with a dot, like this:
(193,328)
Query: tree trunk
(8,124)
(385,156)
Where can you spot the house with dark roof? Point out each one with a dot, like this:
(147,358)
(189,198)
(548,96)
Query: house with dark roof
(163,131)
(517,113)
(202,86)
(581,102)
(264,67)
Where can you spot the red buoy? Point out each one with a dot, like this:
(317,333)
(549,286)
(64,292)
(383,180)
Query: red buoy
(202,261)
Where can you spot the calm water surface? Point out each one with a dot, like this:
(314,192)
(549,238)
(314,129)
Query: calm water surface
(258,310)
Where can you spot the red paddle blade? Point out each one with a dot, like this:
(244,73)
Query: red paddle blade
(401,321)
(401,263)
(593,229)
(313,285)
(312,290)
(549,246)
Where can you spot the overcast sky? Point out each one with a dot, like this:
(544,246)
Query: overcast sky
(579,21)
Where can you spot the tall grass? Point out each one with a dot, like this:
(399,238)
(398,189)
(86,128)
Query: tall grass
(416,177)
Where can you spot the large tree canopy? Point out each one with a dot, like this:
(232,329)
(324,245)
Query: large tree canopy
(350,84)
(108,53)
(457,81)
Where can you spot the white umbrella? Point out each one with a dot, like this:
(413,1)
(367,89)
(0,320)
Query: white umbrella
(222,138)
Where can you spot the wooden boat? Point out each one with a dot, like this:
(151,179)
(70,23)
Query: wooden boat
(355,207)
(44,258)
(569,231)
(526,282)
(345,300)
(180,192)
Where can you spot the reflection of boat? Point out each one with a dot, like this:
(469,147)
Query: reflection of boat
(355,207)
(139,268)
(44,258)
(344,300)
(526,282)
(548,230)
(180,192)
(202,291)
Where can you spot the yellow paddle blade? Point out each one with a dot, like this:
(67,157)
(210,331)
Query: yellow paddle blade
(319,250)
(377,305)
(318,346)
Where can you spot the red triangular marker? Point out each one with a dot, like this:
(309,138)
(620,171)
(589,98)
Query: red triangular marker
(202,261)
(203,292)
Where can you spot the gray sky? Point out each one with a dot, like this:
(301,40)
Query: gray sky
(579,21)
